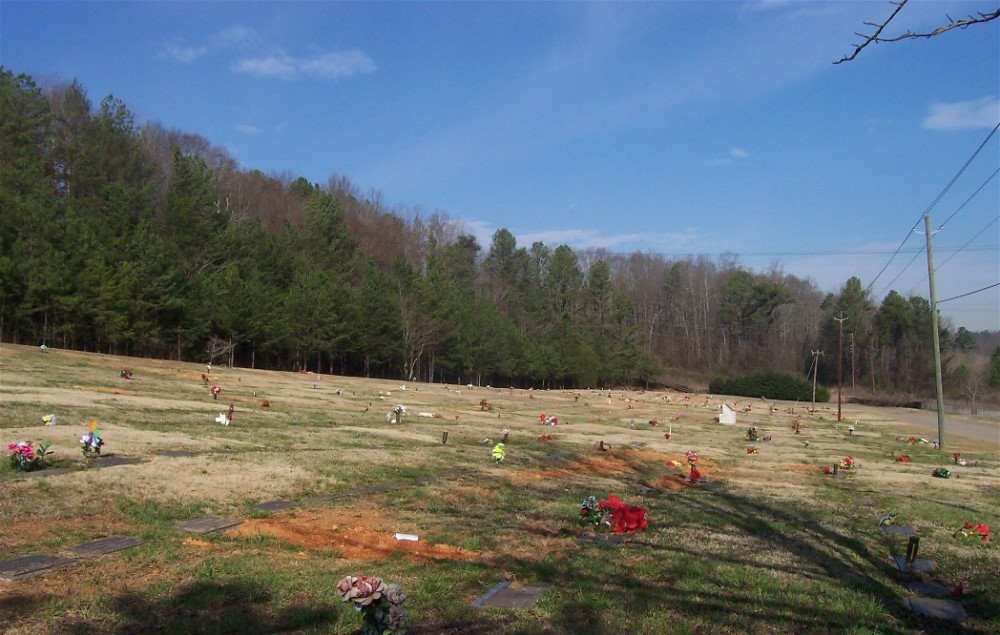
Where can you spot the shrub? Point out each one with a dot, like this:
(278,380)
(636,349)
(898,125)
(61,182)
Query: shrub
(771,385)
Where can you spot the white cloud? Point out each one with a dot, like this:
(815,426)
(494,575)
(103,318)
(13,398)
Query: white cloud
(271,66)
(183,54)
(963,115)
(332,65)
(233,36)
(247,128)
(735,154)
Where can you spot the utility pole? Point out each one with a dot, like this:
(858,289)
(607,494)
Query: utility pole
(853,386)
(934,331)
(840,359)
(816,355)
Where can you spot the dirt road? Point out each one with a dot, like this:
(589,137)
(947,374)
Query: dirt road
(955,425)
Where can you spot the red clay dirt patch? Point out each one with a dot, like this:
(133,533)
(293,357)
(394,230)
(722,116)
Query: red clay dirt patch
(617,463)
(354,535)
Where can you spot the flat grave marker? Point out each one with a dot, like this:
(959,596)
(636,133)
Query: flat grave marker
(27,566)
(505,596)
(103,546)
(918,565)
(947,610)
(178,453)
(207,524)
(111,461)
(272,506)
(929,589)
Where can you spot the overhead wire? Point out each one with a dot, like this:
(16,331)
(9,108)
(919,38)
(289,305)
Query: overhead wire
(956,252)
(964,295)
(932,205)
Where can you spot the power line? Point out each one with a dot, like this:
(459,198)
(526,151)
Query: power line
(934,203)
(957,251)
(985,183)
(969,293)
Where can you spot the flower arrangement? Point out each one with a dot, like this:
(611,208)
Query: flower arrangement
(695,475)
(498,453)
(380,604)
(847,463)
(667,435)
(24,457)
(752,450)
(215,390)
(941,473)
(613,513)
(979,530)
(692,457)
(903,458)
(752,434)
(92,441)
(545,437)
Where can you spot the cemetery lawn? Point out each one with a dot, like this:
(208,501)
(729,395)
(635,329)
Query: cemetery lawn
(767,544)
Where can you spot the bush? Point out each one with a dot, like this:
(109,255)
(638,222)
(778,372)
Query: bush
(769,385)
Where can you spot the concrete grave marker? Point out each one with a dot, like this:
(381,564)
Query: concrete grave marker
(505,596)
(897,531)
(272,506)
(102,546)
(27,566)
(918,565)
(207,524)
(111,461)
(929,589)
(948,610)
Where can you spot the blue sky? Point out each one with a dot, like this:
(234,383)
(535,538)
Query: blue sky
(670,127)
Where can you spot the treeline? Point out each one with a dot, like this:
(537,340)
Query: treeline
(152,242)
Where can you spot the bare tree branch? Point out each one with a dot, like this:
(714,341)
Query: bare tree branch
(876,37)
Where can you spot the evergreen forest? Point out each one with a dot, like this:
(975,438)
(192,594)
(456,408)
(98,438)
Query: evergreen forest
(141,240)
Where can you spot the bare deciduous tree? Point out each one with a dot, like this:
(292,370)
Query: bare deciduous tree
(876,36)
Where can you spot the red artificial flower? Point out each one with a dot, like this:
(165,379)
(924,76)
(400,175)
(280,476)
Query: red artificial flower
(695,475)
(903,458)
(984,531)
(265,404)
(827,470)
(692,457)
(653,422)
(666,435)
(752,450)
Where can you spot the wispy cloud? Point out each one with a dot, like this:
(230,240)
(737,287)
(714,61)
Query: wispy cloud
(179,53)
(230,37)
(963,115)
(735,154)
(333,65)
(688,241)
(247,128)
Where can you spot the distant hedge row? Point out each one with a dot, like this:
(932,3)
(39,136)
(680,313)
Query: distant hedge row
(770,385)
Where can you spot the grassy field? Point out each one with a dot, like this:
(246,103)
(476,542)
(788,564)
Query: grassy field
(769,544)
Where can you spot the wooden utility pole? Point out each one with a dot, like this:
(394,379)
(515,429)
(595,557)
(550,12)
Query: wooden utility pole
(816,355)
(934,332)
(840,359)
(853,353)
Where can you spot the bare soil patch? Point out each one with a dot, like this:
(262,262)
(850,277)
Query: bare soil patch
(353,534)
